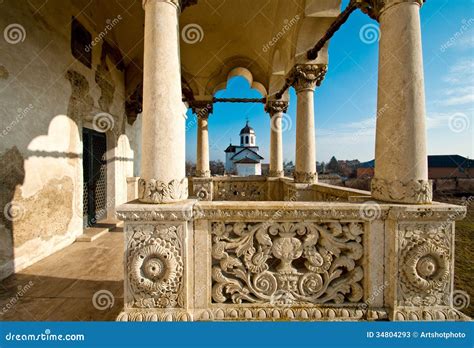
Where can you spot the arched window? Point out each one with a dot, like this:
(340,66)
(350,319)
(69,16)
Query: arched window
(246,139)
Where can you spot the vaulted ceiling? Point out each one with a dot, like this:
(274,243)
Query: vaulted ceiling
(257,39)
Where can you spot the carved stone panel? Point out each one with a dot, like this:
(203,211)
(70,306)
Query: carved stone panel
(287,263)
(155,266)
(240,190)
(202,188)
(425,259)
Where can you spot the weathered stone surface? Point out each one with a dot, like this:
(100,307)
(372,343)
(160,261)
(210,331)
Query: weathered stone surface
(46,214)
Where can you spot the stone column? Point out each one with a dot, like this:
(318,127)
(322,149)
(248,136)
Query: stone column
(276,109)
(306,77)
(401,168)
(163,177)
(202,111)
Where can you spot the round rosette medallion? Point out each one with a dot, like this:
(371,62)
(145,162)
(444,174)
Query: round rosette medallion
(427,266)
(157,267)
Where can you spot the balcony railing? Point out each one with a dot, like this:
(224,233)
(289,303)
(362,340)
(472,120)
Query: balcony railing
(289,260)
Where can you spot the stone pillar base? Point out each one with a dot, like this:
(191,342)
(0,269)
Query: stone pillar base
(157,192)
(410,192)
(305,177)
(203,173)
(276,173)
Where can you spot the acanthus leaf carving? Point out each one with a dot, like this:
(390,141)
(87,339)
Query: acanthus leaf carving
(156,191)
(414,191)
(308,76)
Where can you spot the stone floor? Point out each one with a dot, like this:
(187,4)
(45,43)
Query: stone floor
(61,287)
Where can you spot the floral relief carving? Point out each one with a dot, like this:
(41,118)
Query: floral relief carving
(287,263)
(155,266)
(202,189)
(156,191)
(424,263)
(304,177)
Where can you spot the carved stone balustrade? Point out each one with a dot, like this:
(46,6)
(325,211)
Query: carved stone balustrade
(259,188)
(289,260)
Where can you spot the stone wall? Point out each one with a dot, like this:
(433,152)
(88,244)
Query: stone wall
(47,96)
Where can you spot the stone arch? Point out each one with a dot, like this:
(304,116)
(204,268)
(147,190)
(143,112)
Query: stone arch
(239,66)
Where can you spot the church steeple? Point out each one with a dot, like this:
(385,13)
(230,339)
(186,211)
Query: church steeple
(247,136)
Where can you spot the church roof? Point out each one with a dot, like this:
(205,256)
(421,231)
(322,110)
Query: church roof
(247,129)
(247,160)
(230,148)
(249,149)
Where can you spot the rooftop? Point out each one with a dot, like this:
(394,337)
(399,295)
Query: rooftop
(437,161)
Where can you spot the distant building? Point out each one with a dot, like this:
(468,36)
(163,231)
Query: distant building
(244,160)
(348,168)
(439,167)
(366,169)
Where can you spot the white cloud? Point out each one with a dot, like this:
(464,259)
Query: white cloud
(436,120)
(348,133)
(458,100)
(459,88)
(467,41)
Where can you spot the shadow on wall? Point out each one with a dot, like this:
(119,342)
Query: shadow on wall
(42,185)
(12,173)
(37,196)
(41,179)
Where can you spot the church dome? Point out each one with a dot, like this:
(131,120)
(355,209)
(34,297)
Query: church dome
(247,129)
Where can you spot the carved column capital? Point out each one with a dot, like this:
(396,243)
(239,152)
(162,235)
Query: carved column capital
(374,8)
(202,109)
(180,4)
(276,106)
(308,76)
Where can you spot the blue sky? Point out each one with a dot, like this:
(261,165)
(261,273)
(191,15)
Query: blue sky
(345,104)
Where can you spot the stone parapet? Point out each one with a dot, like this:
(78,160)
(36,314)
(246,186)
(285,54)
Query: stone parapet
(229,260)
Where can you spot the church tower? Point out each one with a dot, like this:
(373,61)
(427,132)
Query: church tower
(247,136)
